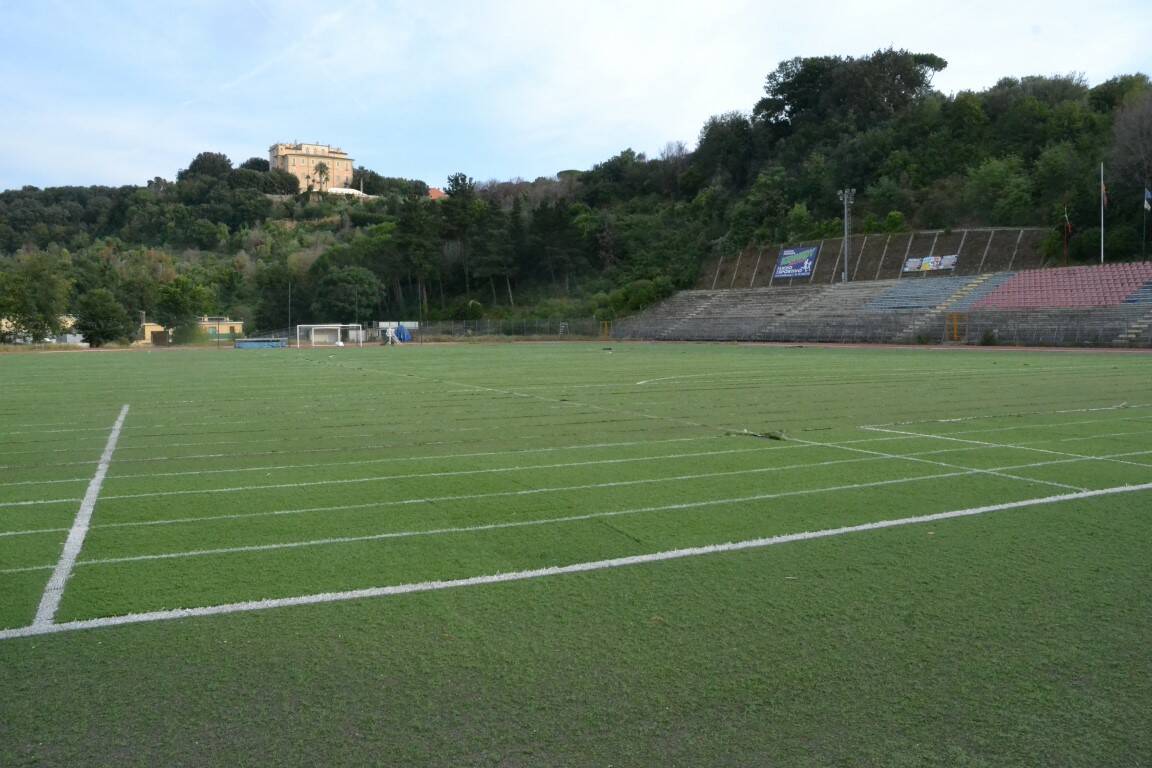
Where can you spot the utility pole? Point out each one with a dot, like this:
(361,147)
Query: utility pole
(847,196)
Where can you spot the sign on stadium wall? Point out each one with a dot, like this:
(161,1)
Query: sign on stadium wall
(930,263)
(796,262)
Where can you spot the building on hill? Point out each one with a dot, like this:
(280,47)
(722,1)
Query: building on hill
(301,160)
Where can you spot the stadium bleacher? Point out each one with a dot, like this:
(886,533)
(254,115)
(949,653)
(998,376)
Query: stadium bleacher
(1091,305)
(1096,286)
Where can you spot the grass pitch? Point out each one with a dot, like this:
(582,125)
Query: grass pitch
(377,496)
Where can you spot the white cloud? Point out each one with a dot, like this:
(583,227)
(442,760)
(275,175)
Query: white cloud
(500,88)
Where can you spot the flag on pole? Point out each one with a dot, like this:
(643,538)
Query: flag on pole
(1147,199)
(1103,190)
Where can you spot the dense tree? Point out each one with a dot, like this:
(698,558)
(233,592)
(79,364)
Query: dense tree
(37,285)
(182,301)
(260,164)
(1132,144)
(347,295)
(1024,151)
(100,318)
(213,164)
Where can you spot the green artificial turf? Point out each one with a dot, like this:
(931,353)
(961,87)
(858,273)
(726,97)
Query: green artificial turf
(1018,637)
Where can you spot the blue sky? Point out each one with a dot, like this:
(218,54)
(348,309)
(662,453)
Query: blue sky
(120,92)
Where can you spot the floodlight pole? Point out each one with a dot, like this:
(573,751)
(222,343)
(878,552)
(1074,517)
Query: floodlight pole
(290,313)
(847,196)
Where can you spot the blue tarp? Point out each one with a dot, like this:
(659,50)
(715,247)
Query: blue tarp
(402,334)
(261,343)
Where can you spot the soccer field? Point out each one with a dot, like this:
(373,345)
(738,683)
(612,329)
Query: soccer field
(576,554)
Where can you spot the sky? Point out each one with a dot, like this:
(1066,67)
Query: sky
(121,91)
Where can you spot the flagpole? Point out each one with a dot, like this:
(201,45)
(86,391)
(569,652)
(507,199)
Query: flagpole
(1067,229)
(1102,193)
(1144,229)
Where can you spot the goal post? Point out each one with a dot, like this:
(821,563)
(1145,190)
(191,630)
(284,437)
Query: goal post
(329,335)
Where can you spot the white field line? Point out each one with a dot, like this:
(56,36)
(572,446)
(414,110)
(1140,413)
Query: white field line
(521,492)
(491,526)
(408,476)
(396,459)
(38,502)
(329,436)
(355,462)
(54,590)
(475,496)
(525,492)
(993,472)
(376,478)
(1050,425)
(584,567)
(57,481)
(555,489)
(1020,446)
(32,532)
(1083,438)
(753,375)
(977,417)
(394,441)
(346,449)
(447,473)
(543,398)
(545,521)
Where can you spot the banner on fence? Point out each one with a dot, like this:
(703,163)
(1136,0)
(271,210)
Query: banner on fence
(796,262)
(930,263)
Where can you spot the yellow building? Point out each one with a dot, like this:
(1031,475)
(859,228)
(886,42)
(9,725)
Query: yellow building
(301,160)
(153,333)
(221,327)
(215,328)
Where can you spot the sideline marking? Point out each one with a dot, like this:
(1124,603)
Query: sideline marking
(449,473)
(994,471)
(54,590)
(976,417)
(1020,446)
(493,526)
(543,521)
(585,567)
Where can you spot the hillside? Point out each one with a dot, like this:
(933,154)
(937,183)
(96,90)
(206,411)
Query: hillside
(606,241)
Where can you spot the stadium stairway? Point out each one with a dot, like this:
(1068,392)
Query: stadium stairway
(968,285)
(1137,334)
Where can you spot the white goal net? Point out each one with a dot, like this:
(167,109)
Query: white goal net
(330,335)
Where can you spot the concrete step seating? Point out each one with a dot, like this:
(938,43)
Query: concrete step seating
(1098,305)
(917,293)
(965,302)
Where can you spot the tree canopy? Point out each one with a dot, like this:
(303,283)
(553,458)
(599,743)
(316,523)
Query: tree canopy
(241,240)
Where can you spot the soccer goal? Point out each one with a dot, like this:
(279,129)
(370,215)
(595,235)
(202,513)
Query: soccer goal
(330,335)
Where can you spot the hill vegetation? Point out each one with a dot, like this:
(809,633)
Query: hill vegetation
(609,240)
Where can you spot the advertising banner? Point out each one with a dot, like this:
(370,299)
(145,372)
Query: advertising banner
(796,262)
(930,263)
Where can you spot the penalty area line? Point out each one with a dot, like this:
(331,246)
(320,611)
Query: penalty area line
(538,573)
